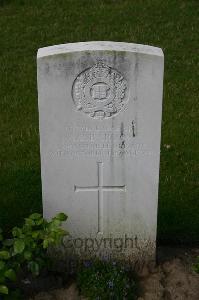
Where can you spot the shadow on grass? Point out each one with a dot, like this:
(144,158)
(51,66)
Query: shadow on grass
(20,195)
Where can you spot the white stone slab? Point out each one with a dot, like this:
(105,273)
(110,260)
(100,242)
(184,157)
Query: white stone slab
(100,107)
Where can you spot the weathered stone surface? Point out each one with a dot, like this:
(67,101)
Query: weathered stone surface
(100,109)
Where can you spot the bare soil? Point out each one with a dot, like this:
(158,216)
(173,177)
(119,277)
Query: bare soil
(172,278)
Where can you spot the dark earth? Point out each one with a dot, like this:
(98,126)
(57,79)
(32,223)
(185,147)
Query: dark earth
(172,278)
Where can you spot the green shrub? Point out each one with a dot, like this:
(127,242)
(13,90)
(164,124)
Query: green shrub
(26,250)
(105,280)
(6,272)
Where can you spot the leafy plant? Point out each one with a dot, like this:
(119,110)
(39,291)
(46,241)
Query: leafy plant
(31,241)
(6,271)
(26,250)
(196,265)
(106,280)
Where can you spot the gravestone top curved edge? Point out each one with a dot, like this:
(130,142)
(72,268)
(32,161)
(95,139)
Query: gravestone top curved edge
(98,46)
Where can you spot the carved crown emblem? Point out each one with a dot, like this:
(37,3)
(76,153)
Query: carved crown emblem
(100,91)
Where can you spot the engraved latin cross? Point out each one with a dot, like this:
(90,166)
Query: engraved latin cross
(100,188)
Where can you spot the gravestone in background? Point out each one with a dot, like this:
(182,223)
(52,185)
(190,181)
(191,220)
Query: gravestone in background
(100,107)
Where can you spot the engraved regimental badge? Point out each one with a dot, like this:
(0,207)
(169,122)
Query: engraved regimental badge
(100,91)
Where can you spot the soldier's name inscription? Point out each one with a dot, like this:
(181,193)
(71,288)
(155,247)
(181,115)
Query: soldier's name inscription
(98,141)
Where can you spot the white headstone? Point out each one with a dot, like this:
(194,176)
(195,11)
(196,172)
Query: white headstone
(100,107)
